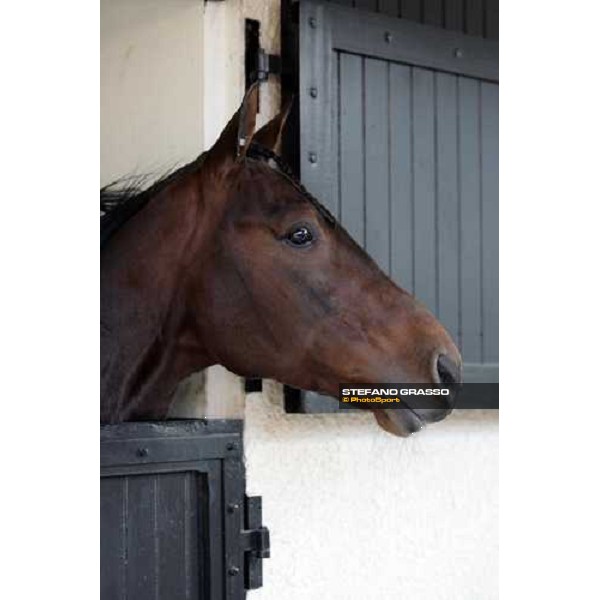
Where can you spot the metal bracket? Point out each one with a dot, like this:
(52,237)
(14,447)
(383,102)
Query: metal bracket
(267,64)
(255,541)
(259,65)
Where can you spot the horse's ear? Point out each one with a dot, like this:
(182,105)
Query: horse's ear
(236,137)
(270,134)
(247,119)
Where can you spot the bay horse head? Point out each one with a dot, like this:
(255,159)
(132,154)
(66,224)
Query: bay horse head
(231,261)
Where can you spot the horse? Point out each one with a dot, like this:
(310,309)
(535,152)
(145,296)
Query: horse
(231,261)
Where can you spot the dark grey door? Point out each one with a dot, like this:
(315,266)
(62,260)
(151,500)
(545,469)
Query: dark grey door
(175,523)
(398,136)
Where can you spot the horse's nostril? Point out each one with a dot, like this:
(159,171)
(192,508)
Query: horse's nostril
(448,370)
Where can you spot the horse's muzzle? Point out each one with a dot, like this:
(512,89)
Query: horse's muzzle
(409,418)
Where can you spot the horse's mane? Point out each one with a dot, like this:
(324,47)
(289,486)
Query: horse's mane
(122,199)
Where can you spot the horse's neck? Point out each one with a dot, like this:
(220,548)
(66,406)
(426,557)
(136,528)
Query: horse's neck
(149,341)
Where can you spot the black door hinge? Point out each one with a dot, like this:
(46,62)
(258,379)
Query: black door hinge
(267,64)
(259,64)
(255,542)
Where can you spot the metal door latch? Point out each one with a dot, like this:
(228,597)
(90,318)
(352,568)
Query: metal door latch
(255,541)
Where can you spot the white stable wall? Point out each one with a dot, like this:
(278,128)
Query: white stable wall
(357,514)
(151,85)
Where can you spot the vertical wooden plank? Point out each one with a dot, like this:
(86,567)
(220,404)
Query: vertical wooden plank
(171,535)
(211,520)
(447,202)
(492,18)
(333,201)
(195,538)
(453,15)
(433,13)
(112,538)
(351,175)
(377,198)
(141,535)
(366,4)
(424,187)
(412,10)
(470,218)
(389,7)
(474,17)
(489,218)
(401,182)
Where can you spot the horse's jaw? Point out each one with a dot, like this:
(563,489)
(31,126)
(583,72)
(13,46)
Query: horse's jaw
(403,422)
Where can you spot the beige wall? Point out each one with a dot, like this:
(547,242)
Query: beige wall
(151,85)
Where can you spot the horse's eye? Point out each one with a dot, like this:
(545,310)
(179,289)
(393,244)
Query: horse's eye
(300,236)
